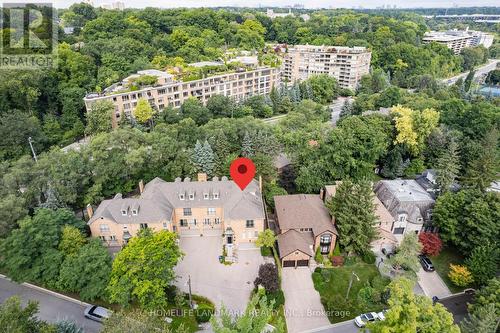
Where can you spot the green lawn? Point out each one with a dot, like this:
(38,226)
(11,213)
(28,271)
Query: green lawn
(332,284)
(448,255)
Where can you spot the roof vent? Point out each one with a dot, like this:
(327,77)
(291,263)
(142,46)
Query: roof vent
(224,179)
(178,180)
(187,180)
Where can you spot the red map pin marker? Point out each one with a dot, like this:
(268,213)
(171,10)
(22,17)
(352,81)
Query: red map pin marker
(242,170)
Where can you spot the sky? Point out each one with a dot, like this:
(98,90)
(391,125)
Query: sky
(282,3)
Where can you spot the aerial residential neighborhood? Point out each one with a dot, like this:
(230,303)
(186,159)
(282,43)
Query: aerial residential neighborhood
(273,167)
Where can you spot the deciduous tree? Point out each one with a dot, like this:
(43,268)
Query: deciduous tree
(409,313)
(483,262)
(431,243)
(144,269)
(405,261)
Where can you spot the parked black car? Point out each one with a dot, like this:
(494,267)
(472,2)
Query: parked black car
(426,263)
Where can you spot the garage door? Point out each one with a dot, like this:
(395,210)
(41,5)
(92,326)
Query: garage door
(302,262)
(289,263)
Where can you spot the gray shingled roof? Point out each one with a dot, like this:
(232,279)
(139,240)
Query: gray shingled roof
(293,240)
(160,198)
(405,196)
(303,211)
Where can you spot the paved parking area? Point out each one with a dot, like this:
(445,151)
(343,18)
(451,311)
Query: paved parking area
(303,308)
(227,284)
(432,284)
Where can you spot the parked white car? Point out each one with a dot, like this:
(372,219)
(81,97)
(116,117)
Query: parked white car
(97,313)
(365,318)
(381,314)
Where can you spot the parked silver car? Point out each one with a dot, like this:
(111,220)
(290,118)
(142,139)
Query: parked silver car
(97,313)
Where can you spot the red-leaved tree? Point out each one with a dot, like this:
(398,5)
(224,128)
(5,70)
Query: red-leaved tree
(431,243)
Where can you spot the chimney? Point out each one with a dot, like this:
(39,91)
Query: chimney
(90,211)
(260,183)
(141,186)
(202,177)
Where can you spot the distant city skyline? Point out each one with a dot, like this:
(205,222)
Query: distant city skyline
(283,3)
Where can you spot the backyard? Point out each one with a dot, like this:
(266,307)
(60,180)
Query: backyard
(366,295)
(442,261)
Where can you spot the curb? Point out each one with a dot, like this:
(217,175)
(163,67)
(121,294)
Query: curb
(50,292)
(328,326)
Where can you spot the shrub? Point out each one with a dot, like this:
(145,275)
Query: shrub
(336,250)
(366,294)
(265,251)
(268,278)
(203,313)
(431,243)
(337,261)
(278,297)
(369,257)
(460,275)
(318,257)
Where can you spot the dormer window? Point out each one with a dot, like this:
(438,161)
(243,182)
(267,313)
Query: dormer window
(134,212)
(181,196)
(191,196)
(216,195)
(206,196)
(124,212)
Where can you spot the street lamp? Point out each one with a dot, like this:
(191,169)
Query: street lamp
(350,283)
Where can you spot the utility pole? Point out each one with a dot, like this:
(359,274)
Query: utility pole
(350,283)
(32,149)
(190,295)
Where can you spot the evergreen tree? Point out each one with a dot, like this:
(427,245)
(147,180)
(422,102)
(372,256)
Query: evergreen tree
(447,167)
(483,170)
(346,110)
(203,158)
(354,212)
(209,159)
(247,146)
(295,93)
(221,149)
(483,320)
(275,97)
(468,80)
(405,261)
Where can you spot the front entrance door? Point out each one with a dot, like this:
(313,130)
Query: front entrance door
(230,239)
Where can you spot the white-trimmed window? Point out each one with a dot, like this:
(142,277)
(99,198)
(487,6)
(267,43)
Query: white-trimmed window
(211,211)
(165,225)
(124,212)
(181,196)
(104,227)
(217,220)
(326,239)
(103,238)
(187,211)
(216,195)
(206,221)
(250,223)
(183,222)
(206,196)
(191,196)
(143,225)
(134,212)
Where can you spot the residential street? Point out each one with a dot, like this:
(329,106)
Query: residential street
(51,308)
(484,69)
(343,327)
(303,308)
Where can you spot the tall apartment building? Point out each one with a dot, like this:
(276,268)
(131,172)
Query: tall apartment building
(457,40)
(346,64)
(170,92)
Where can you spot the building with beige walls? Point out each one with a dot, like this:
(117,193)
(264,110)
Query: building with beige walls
(346,64)
(305,226)
(215,206)
(167,91)
(457,40)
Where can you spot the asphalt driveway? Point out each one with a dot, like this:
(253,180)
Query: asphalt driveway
(222,284)
(432,284)
(303,308)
